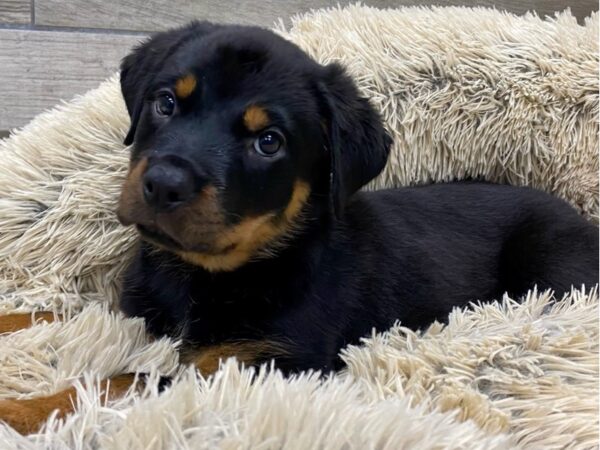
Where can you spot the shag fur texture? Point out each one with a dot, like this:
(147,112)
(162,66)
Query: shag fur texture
(500,376)
(465,93)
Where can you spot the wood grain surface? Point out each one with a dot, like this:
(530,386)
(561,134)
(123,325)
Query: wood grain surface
(15,11)
(40,68)
(74,44)
(149,15)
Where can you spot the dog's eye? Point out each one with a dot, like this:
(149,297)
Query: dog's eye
(269,143)
(164,104)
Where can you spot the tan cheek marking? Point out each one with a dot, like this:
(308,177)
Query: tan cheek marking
(213,263)
(250,235)
(246,231)
(255,118)
(241,235)
(185,86)
(298,200)
(207,359)
(131,203)
(188,223)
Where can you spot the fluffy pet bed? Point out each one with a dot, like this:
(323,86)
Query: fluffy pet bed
(465,93)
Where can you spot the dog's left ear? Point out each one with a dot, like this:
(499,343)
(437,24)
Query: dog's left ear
(359,145)
(139,67)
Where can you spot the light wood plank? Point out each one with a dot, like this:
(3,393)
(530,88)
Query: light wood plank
(152,15)
(39,68)
(15,11)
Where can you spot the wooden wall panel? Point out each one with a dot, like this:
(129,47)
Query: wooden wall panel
(74,44)
(15,11)
(40,68)
(149,15)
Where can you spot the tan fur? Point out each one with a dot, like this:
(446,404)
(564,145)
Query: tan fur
(198,221)
(202,222)
(187,224)
(28,415)
(15,322)
(299,197)
(245,240)
(255,118)
(245,236)
(184,86)
(208,359)
(131,207)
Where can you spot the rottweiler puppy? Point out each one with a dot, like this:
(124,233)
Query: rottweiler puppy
(246,162)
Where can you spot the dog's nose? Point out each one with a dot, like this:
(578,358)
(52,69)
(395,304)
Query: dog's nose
(166,186)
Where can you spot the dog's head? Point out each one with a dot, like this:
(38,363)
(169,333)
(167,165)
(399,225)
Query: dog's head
(239,137)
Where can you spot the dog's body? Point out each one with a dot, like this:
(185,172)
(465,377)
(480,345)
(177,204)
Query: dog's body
(271,254)
(243,182)
(410,254)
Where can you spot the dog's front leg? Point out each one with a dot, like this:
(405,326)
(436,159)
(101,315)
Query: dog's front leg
(28,415)
(10,323)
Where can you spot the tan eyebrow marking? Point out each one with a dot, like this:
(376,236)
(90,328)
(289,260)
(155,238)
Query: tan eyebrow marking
(255,118)
(185,85)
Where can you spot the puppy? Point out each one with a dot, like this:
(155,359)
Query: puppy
(246,161)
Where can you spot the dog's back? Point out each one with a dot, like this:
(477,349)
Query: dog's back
(432,248)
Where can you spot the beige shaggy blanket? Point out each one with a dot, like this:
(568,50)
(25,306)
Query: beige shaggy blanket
(465,92)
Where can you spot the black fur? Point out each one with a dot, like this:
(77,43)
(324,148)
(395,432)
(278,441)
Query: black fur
(359,260)
(359,148)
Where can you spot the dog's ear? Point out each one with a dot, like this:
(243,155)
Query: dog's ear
(138,68)
(358,143)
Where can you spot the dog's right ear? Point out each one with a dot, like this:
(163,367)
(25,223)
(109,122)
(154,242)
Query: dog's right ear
(145,60)
(358,142)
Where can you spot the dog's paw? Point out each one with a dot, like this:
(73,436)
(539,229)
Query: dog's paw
(10,323)
(28,415)
(19,414)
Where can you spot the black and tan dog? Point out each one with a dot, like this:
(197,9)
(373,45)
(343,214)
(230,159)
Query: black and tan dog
(246,163)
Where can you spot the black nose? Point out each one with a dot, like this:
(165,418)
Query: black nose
(166,186)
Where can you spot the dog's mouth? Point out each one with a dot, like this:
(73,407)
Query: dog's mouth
(156,236)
